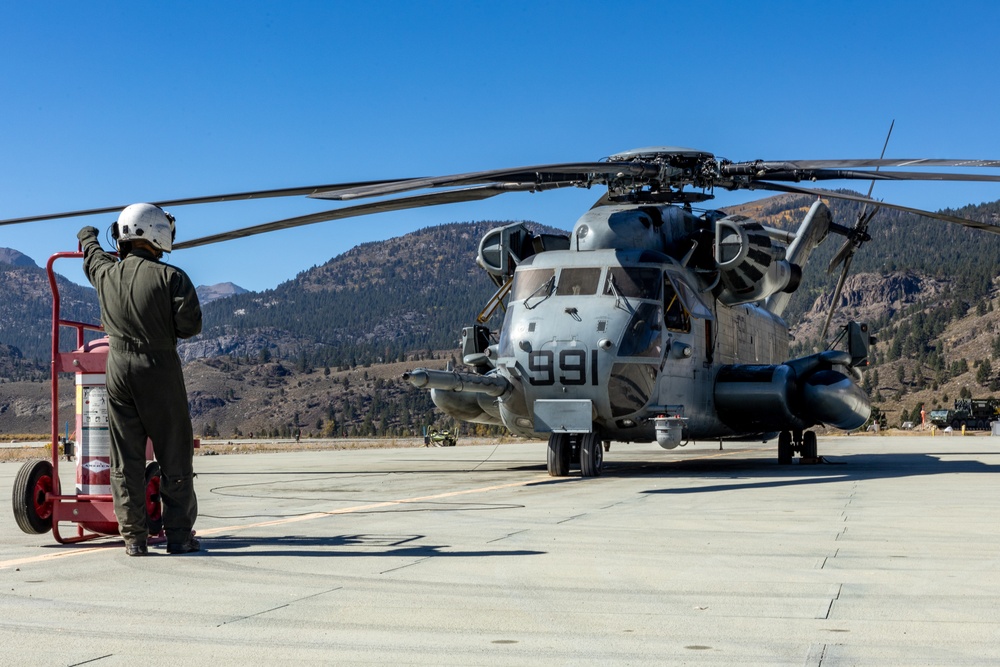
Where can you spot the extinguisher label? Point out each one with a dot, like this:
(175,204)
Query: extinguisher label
(95,407)
(93,472)
(97,466)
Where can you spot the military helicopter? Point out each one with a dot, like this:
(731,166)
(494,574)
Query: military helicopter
(649,322)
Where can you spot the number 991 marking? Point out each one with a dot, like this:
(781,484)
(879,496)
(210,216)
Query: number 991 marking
(572,367)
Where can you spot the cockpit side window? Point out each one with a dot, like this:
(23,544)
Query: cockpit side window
(695,306)
(577,281)
(633,281)
(642,336)
(675,315)
(530,281)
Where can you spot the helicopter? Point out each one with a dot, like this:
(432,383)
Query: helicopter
(650,321)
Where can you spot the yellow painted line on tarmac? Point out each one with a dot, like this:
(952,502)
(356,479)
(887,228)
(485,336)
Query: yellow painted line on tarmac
(278,522)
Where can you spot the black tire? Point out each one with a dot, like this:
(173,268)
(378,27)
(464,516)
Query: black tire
(810,450)
(31,511)
(558,454)
(785,448)
(955,424)
(591,455)
(154,507)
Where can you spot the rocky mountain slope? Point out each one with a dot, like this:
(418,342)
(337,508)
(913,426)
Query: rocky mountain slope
(15,258)
(209,293)
(26,308)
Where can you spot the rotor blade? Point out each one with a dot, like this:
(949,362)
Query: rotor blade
(399,204)
(871,186)
(583,172)
(836,295)
(845,251)
(855,238)
(782,165)
(854,174)
(974,224)
(210,199)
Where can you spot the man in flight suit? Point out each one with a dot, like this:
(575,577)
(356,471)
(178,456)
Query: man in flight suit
(146,306)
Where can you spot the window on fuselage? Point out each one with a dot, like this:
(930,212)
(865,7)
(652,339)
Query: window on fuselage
(530,281)
(642,336)
(633,282)
(574,282)
(675,316)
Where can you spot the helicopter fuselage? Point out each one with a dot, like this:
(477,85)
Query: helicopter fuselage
(625,336)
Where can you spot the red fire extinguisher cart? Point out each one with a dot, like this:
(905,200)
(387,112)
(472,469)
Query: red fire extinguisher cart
(41,503)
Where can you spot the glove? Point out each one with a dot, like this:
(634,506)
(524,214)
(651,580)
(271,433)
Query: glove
(86,233)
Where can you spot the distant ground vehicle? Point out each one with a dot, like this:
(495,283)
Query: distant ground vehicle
(975,414)
(877,417)
(442,438)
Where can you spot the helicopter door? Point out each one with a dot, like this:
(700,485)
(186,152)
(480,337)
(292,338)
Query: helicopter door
(687,321)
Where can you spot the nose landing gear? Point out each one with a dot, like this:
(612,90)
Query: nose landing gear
(568,450)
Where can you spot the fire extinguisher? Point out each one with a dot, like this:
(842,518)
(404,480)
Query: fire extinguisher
(93,456)
(93,435)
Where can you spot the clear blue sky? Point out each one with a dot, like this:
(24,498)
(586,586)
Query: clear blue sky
(116,102)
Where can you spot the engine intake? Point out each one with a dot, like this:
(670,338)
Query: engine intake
(751,266)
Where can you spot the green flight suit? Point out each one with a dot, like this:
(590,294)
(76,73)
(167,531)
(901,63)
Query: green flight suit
(145,307)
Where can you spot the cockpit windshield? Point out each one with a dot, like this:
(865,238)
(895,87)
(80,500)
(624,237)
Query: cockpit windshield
(633,281)
(578,281)
(530,281)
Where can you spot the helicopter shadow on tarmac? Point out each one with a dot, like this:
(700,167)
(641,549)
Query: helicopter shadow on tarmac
(760,474)
(345,546)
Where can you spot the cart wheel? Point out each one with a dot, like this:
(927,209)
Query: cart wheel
(154,508)
(31,510)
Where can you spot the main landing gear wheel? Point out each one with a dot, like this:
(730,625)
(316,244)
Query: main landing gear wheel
(785,450)
(154,508)
(591,455)
(804,444)
(558,454)
(809,449)
(32,511)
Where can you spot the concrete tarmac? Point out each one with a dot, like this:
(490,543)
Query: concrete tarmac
(472,555)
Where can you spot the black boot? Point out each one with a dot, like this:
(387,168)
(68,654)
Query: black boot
(136,549)
(191,544)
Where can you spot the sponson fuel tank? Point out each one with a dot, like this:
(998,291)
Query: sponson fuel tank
(791,396)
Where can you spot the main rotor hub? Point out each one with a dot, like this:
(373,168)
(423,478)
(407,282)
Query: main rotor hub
(677,168)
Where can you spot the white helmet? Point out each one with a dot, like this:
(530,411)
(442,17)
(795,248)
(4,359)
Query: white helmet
(147,222)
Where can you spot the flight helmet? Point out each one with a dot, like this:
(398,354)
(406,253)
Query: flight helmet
(147,222)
